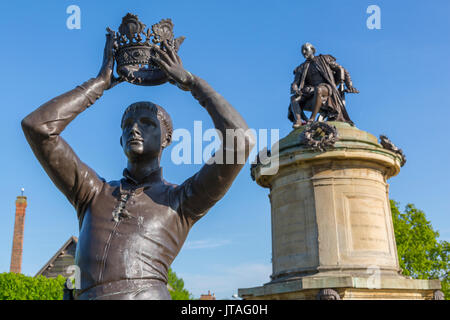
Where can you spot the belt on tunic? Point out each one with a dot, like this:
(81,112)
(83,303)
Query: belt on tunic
(129,289)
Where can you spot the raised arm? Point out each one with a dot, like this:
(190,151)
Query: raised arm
(43,127)
(206,187)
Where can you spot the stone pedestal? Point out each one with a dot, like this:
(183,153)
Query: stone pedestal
(331,221)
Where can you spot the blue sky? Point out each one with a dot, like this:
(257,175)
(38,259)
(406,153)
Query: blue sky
(246,50)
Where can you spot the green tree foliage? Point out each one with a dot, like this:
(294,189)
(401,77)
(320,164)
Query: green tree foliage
(420,253)
(20,287)
(177,290)
(15,286)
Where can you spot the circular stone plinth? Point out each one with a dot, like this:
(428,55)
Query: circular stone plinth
(330,208)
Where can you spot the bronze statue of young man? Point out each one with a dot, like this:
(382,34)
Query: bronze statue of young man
(131,230)
(315,88)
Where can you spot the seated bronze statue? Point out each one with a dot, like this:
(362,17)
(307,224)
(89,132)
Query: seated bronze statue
(131,230)
(315,89)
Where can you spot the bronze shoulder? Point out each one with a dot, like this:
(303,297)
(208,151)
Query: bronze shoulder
(328,58)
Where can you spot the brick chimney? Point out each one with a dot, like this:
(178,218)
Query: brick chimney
(16,255)
(208,296)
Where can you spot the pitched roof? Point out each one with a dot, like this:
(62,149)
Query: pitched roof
(71,240)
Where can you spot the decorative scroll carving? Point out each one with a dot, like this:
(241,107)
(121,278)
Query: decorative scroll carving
(389,145)
(328,294)
(438,295)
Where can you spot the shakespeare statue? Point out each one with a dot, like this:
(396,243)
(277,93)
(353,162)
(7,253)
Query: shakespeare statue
(319,87)
(131,230)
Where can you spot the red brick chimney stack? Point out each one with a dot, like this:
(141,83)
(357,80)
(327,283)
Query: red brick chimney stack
(208,296)
(16,255)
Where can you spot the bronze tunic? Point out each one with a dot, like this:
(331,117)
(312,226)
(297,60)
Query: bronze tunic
(141,244)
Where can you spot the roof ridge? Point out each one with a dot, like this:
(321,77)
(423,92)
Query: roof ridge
(56,255)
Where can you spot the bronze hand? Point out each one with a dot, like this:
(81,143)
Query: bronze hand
(171,64)
(106,73)
(351,90)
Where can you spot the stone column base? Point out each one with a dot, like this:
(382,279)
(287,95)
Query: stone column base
(346,288)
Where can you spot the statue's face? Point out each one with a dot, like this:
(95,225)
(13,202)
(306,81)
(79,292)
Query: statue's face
(141,134)
(308,51)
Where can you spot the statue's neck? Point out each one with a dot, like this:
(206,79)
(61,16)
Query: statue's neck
(139,169)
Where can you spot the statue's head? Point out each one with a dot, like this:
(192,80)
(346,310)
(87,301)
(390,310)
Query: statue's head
(308,50)
(146,130)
